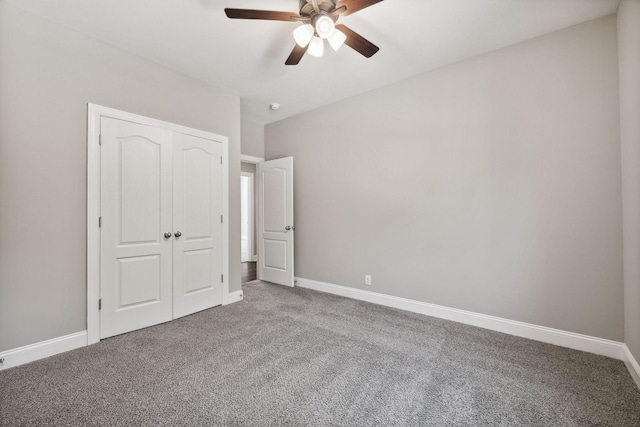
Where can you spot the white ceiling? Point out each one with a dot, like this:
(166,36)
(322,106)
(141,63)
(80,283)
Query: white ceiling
(247,57)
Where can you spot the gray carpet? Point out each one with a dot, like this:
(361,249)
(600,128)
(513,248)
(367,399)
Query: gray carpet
(295,357)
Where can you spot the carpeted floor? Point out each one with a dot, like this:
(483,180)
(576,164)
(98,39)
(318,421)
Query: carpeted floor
(295,357)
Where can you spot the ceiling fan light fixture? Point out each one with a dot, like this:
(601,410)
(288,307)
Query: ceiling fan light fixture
(316,21)
(303,34)
(316,47)
(324,26)
(337,39)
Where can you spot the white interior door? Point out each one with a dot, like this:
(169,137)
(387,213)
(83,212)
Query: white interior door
(197,220)
(275,224)
(136,211)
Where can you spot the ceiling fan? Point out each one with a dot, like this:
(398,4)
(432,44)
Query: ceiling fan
(319,23)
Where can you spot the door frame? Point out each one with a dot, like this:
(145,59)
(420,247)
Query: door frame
(251,208)
(244,158)
(94,114)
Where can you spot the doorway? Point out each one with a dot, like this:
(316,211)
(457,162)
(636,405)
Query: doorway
(248,205)
(247,224)
(273,220)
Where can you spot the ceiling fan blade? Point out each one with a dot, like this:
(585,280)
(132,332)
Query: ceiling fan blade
(296,55)
(358,43)
(261,14)
(338,11)
(356,5)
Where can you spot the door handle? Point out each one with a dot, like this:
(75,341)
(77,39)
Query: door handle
(167,235)
(287,228)
(178,234)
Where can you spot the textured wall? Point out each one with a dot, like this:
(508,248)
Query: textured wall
(48,74)
(491,185)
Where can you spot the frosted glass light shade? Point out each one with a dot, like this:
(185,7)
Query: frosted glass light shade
(337,39)
(324,27)
(303,34)
(316,47)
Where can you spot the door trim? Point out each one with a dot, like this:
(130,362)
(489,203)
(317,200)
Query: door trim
(94,114)
(250,159)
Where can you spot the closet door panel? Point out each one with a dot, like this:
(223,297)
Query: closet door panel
(136,211)
(197,211)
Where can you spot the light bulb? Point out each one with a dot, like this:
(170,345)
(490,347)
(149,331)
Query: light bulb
(303,34)
(316,47)
(337,39)
(324,26)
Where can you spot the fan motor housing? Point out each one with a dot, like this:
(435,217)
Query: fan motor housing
(326,7)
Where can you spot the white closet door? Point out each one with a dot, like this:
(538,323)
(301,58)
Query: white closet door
(136,212)
(197,204)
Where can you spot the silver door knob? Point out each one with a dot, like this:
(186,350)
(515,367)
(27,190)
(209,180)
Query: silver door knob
(287,228)
(178,234)
(167,235)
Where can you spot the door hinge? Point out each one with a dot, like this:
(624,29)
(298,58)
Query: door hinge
(220,159)
(100,139)
(99,221)
(222,278)
(221,219)
(100,304)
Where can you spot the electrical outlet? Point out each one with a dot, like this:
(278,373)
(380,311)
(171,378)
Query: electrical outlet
(367,280)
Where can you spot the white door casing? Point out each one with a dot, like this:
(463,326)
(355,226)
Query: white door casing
(197,220)
(134,227)
(136,210)
(275,223)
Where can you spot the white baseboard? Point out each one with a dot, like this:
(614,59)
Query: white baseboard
(232,297)
(614,349)
(632,364)
(572,340)
(29,353)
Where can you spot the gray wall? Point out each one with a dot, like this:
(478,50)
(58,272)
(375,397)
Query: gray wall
(252,134)
(48,74)
(491,185)
(248,167)
(629,60)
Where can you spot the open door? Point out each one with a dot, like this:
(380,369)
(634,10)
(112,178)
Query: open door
(275,222)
